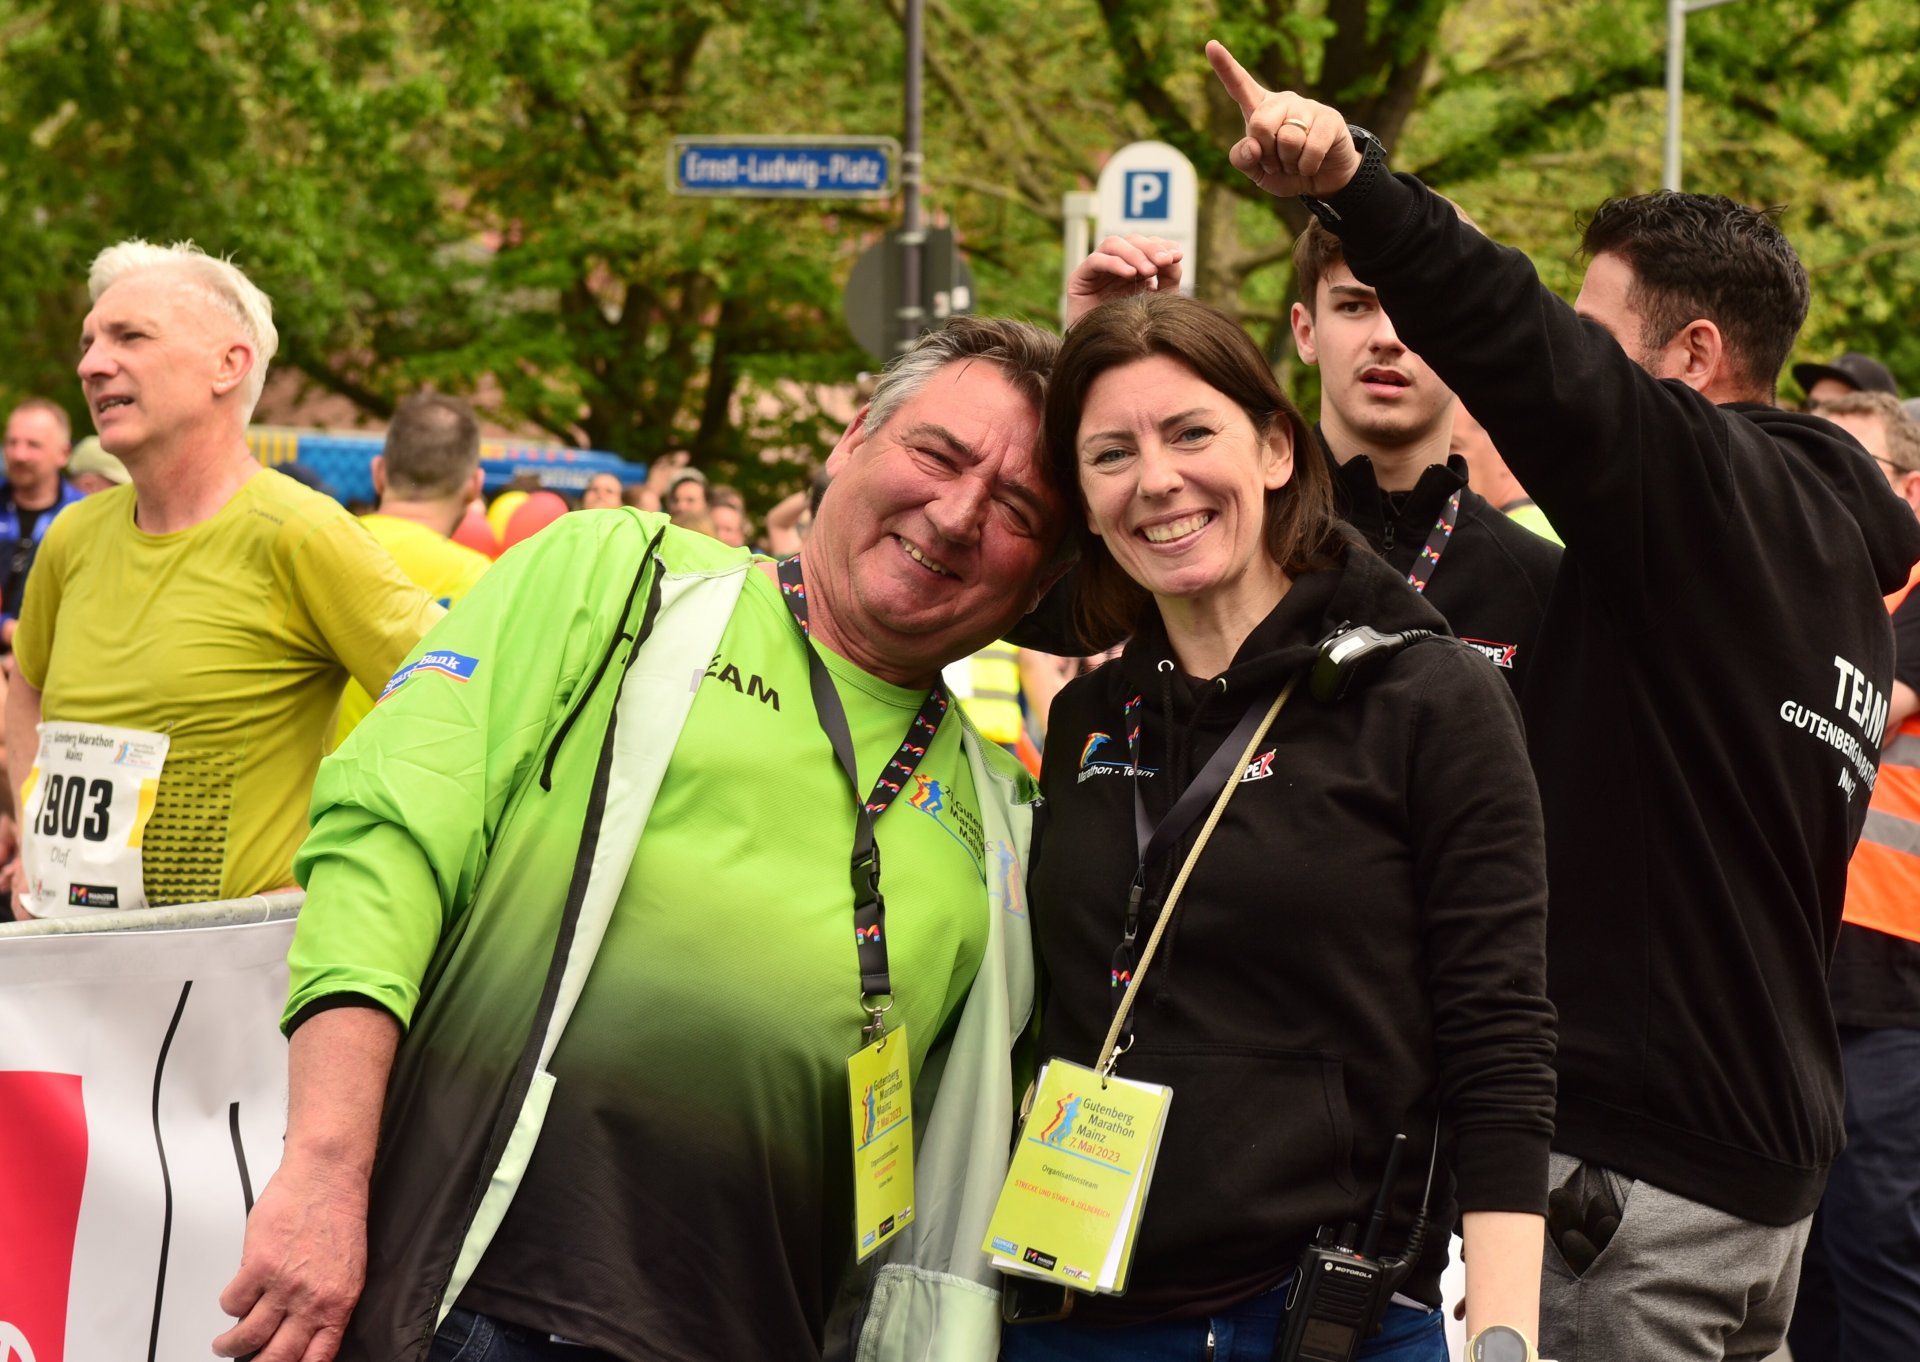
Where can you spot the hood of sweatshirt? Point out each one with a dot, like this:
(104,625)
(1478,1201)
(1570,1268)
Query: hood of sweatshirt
(1886,522)
(1360,589)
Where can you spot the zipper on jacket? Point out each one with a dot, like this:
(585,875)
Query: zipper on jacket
(646,624)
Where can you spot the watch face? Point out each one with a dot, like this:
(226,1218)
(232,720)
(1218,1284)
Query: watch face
(1500,1344)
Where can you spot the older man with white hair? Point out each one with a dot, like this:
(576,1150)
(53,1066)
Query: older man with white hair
(185,638)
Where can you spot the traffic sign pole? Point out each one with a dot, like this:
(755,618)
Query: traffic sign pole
(913,233)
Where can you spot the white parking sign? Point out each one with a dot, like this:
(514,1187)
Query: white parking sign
(1149,188)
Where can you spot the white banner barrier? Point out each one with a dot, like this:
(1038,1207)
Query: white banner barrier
(143,1091)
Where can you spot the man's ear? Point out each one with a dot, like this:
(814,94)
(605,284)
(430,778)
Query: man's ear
(236,362)
(379,470)
(1909,490)
(1302,322)
(850,440)
(1697,356)
(477,486)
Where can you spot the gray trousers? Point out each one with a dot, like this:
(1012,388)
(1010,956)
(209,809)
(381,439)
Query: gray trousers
(1679,1282)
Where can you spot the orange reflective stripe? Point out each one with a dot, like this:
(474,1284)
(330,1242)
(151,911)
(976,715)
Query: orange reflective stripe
(1883,880)
(1883,890)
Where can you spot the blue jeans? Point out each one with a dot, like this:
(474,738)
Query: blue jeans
(467,1337)
(1860,1279)
(1244,1333)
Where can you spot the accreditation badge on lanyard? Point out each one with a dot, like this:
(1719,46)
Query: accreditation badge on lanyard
(84,812)
(879,1080)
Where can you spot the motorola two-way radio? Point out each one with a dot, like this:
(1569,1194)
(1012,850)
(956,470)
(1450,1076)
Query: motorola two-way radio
(1350,652)
(1340,1292)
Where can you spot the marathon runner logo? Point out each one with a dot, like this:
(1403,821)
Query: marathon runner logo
(456,665)
(933,798)
(1499,654)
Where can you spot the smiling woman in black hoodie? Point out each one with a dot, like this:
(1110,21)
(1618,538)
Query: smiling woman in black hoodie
(1358,952)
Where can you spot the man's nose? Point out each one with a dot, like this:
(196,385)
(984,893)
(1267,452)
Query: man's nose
(959,509)
(1384,337)
(94,362)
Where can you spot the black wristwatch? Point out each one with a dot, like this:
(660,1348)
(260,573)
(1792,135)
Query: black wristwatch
(1500,1343)
(1373,164)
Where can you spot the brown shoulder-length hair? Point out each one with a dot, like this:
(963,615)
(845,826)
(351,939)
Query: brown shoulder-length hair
(1302,533)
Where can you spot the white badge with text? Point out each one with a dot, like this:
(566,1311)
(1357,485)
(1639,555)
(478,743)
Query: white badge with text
(84,811)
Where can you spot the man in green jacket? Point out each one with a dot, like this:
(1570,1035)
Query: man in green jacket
(579,1040)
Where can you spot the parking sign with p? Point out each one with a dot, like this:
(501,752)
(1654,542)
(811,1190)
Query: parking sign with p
(1149,189)
(1147,195)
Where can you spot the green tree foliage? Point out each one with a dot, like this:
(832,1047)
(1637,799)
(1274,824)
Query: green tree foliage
(450,191)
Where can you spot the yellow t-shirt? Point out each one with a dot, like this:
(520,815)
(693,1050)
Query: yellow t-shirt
(234,638)
(443,569)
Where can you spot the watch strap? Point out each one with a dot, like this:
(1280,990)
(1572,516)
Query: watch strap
(1373,165)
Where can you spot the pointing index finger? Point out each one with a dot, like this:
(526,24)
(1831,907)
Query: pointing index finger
(1244,89)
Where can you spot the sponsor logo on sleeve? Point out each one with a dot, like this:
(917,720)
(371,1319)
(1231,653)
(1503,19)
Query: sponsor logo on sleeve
(458,666)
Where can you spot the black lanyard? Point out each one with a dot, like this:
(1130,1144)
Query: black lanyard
(1154,840)
(869,908)
(1437,540)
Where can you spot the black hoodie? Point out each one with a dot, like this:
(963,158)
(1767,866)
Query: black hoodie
(1361,939)
(1494,575)
(1704,713)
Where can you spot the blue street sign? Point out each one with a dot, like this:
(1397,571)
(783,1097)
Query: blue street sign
(783,167)
(1148,194)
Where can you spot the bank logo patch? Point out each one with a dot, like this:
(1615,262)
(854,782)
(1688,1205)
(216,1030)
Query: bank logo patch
(458,666)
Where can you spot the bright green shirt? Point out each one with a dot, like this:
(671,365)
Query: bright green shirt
(704,1075)
(699,1127)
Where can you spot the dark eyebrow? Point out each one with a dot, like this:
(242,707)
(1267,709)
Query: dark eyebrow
(931,432)
(1360,291)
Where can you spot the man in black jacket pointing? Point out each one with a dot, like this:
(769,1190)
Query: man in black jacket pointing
(1704,712)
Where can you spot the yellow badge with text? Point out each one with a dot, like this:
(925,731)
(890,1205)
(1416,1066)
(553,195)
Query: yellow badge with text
(882,1093)
(1070,1209)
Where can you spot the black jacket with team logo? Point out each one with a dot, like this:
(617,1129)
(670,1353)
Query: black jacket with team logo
(1494,575)
(1704,713)
(1362,939)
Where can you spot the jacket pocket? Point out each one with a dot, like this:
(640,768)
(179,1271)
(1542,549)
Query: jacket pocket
(1258,1151)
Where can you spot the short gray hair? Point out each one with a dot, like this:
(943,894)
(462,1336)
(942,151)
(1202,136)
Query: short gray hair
(1903,432)
(1024,354)
(221,281)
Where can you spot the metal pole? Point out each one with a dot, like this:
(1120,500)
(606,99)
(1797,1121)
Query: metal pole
(913,226)
(1677,12)
(1676,61)
(1077,209)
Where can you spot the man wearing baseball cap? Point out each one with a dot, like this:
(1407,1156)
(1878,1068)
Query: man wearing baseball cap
(1853,372)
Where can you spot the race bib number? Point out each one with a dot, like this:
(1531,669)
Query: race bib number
(84,812)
